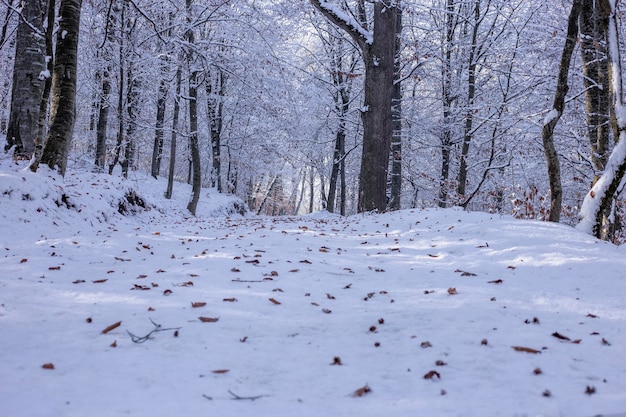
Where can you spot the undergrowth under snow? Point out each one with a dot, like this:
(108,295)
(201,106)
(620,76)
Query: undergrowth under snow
(418,312)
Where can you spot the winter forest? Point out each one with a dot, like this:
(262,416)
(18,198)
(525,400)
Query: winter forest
(511,107)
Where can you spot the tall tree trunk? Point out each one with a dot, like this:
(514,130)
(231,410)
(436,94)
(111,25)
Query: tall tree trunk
(471,93)
(103,119)
(196,169)
(593,27)
(120,90)
(47,88)
(396,141)
(379,58)
(600,198)
(132,109)
(215,94)
(342,102)
(63,106)
(377,48)
(28,80)
(176,112)
(157,150)
(446,90)
(547,134)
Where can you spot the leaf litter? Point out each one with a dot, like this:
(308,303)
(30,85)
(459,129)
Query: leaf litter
(277,358)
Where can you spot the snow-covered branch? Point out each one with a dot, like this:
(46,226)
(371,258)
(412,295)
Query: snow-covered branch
(345,21)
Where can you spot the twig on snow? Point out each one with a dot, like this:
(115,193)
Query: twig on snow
(157,328)
(237,397)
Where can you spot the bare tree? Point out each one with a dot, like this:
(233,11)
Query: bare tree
(28,80)
(63,105)
(378,50)
(196,170)
(550,121)
(600,197)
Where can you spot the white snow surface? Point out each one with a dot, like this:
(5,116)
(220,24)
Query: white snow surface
(377,301)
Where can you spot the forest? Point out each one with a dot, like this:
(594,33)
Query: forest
(512,107)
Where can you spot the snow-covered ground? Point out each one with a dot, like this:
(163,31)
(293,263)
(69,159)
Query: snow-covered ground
(419,312)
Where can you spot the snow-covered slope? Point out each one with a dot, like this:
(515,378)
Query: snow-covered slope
(419,312)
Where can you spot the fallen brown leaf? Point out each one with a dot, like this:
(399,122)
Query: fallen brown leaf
(197,304)
(452,291)
(47,366)
(208,319)
(230,300)
(362,391)
(275,301)
(525,349)
(221,371)
(432,375)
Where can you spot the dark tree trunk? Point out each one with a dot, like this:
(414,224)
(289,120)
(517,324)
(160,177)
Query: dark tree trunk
(469,113)
(446,86)
(103,118)
(377,48)
(196,170)
(600,199)
(176,112)
(379,60)
(28,80)
(396,141)
(132,109)
(157,150)
(215,95)
(63,106)
(593,27)
(47,88)
(547,134)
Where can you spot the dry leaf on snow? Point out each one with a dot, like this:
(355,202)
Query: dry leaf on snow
(208,319)
(47,366)
(197,304)
(525,349)
(432,375)
(362,391)
(275,301)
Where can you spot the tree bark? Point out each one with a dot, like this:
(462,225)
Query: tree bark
(28,81)
(551,120)
(593,27)
(176,112)
(215,95)
(600,198)
(448,99)
(396,141)
(47,88)
(379,60)
(471,93)
(196,170)
(377,48)
(63,105)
